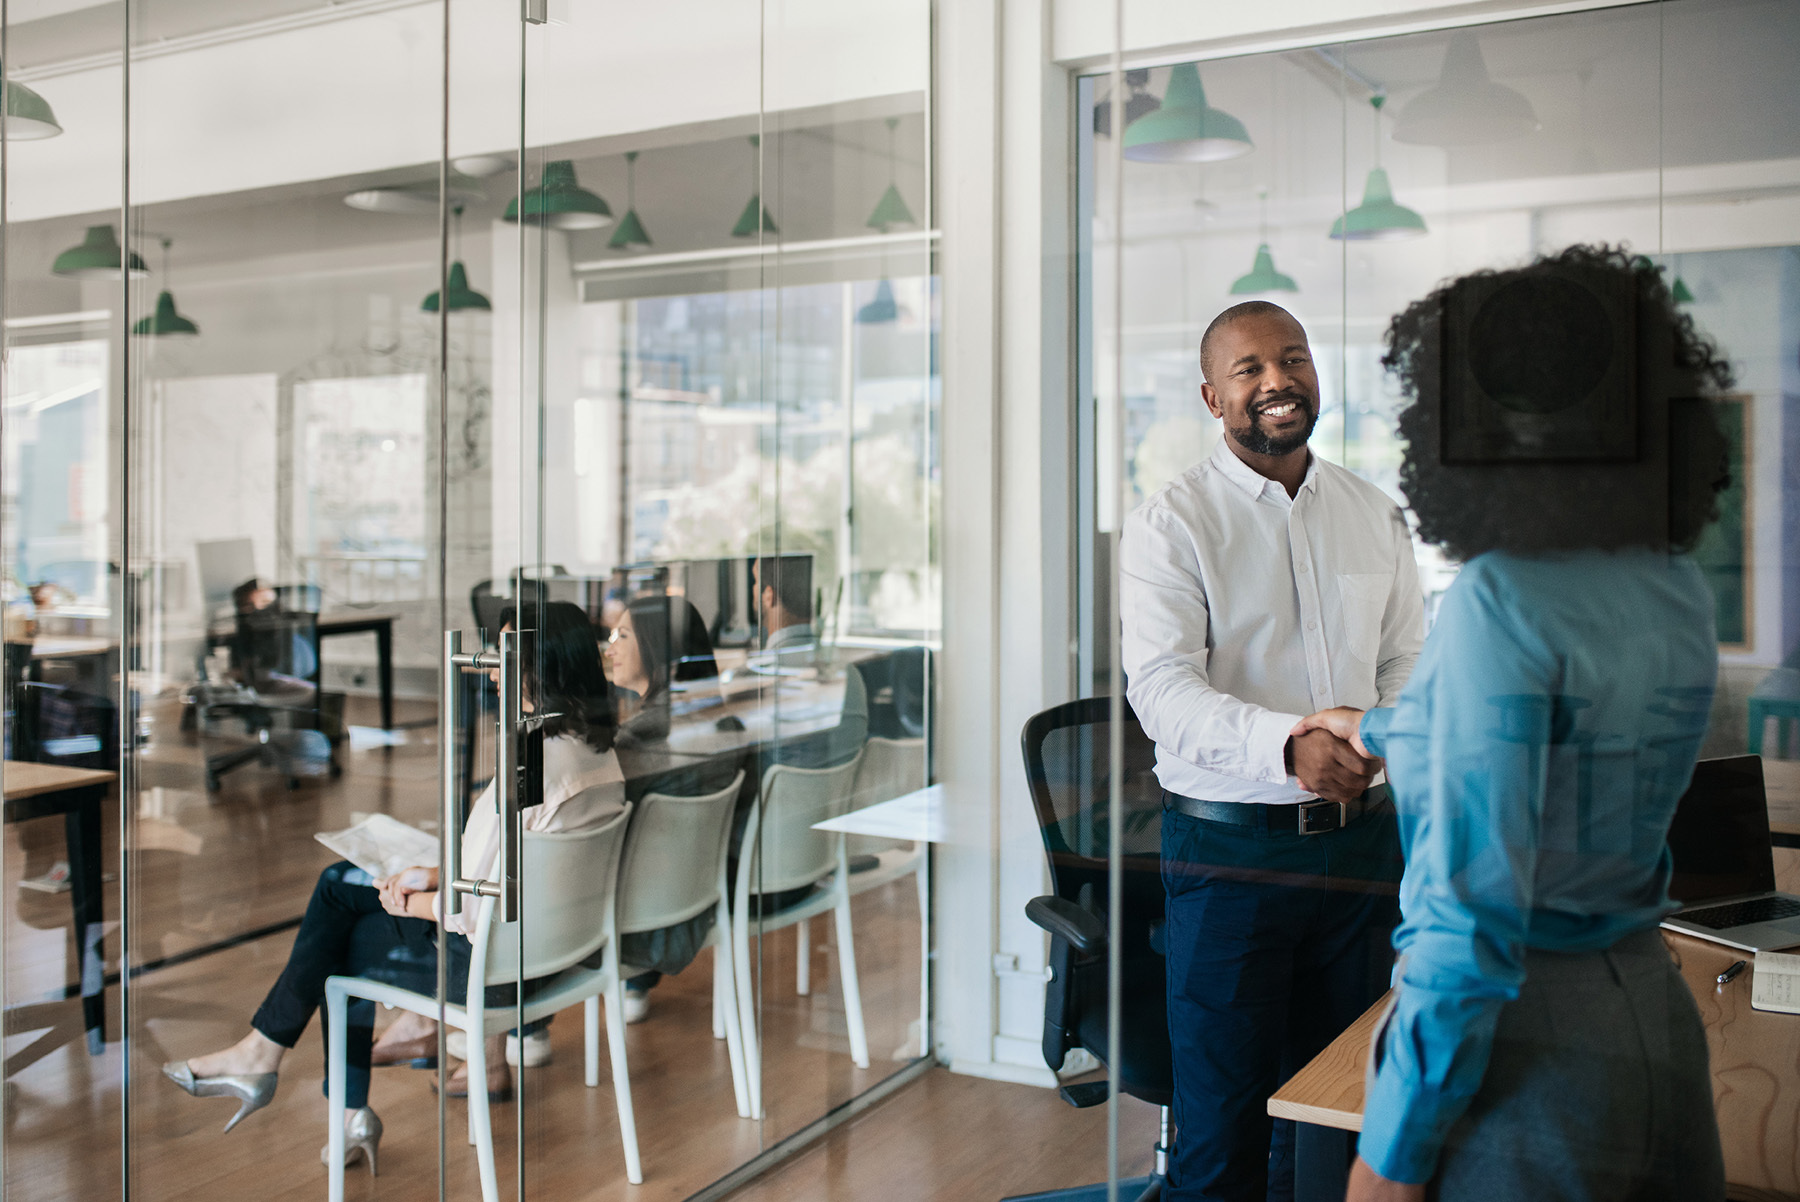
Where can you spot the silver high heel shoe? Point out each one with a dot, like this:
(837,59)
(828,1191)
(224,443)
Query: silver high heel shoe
(252,1090)
(362,1136)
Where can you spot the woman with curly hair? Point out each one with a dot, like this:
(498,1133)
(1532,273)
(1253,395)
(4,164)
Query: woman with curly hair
(1560,443)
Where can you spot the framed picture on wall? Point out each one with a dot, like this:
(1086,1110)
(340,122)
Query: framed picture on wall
(1723,552)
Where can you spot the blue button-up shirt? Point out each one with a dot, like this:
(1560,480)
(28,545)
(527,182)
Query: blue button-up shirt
(1536,758)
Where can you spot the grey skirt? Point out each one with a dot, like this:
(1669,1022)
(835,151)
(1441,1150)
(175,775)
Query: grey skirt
(1597,1089)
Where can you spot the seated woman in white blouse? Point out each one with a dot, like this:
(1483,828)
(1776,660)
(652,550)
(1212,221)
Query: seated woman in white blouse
(386,929)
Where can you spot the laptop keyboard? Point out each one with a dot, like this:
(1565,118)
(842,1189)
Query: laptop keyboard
(1738,914)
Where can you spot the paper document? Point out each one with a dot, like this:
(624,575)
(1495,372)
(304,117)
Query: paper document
(1777,983)
(381,845)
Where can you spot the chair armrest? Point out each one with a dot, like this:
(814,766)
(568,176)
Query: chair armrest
(1063,918)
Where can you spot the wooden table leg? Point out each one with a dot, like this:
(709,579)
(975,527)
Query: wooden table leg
(384,668)
(1321,1162)
(82,827)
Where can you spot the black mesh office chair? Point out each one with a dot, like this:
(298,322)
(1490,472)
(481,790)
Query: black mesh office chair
(277,698)
(1068,763)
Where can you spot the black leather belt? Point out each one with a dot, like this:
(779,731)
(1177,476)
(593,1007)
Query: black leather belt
(1305,818)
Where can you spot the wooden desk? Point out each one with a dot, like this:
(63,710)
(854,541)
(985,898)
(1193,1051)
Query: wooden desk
(1781,780)
(1755,1070)
(381,625)
(69,646)
(41,790)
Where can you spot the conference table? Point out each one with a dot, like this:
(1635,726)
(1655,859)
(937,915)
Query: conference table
(41,791)
(1755,1057)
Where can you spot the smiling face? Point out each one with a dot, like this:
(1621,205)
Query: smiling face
(624,657)
(1262,385)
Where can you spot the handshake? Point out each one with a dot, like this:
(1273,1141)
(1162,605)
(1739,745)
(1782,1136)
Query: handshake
(1326,753)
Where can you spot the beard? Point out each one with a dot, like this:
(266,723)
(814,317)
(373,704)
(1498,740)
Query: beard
(1258,440)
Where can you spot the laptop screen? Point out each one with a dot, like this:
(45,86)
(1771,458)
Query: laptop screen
(1720,836)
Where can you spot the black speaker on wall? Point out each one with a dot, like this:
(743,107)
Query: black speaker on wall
(1541,369)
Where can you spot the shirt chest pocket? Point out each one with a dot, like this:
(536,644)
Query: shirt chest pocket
(1362,599)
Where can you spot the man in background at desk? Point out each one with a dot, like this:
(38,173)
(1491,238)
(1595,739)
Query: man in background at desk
(1255,583)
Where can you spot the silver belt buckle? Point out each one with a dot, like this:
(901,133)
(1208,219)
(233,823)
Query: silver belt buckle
(1331,816)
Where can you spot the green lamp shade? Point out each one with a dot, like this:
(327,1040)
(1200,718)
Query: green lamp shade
(165,322)
(890,210)
(1186,129)
(747,226)
(28,115)
(1681,292)
(1263,277)
(98,257)
(1378,218)
(461,295)
(629,234)
(881,309)
(560,203)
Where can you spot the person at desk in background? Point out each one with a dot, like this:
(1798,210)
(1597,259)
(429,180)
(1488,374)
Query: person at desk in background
(387,929)
(782,585)
(641,663)
(1541,1044)
(1253,587)
(253,596)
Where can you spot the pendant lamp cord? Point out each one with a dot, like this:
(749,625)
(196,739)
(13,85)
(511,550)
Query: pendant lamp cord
(1376,101)
(631,180)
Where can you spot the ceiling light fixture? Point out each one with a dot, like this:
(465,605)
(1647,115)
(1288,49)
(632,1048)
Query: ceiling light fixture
(559,202)
(1379,218)
(755,219)
(99,257)
(457,286)
(1465,107)
(1185,128)
(28,115)
(165,322)
(891,209)
(1262,276)
(630,234)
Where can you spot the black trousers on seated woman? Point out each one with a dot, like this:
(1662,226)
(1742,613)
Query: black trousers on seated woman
(346,933)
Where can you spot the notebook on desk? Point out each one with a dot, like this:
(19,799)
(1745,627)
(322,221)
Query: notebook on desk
(1724,863)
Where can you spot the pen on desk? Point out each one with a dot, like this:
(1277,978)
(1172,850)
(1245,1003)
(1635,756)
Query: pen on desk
(1731,974)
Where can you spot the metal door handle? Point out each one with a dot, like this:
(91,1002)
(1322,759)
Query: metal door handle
(505,885)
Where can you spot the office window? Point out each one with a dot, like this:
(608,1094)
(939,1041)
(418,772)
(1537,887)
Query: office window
(56,502)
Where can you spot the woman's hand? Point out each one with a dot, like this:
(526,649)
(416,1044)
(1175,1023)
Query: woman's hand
(1343,721)
(397,891)
(1366,1185)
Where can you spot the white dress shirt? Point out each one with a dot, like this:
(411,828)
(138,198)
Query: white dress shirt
(1244,610)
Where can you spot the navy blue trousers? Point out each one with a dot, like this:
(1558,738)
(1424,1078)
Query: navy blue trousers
(1275,944)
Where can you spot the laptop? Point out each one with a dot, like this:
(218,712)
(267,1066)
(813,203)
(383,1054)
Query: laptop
(1724,866)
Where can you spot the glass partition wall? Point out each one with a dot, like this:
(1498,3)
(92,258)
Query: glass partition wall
(602,347)
(1345,181)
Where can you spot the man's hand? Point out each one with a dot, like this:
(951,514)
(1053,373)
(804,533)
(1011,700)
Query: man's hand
(1343,721)
(1330,767)
(1366,1185)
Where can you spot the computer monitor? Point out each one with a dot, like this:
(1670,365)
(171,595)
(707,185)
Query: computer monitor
(1720,836)
(224,564)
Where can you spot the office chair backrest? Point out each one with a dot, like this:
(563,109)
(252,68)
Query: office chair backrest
(1068,766)
(896,685)
(791,853)
(565,892)
(672,868)
(486,606)
(889,768)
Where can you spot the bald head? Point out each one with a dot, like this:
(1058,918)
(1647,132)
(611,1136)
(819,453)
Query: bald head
(1209,341)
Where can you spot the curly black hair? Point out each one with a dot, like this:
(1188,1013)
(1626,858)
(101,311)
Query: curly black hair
(1661,498)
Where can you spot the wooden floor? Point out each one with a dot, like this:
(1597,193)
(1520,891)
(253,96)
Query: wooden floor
(210,868)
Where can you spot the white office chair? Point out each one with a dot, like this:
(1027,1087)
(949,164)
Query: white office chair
(892,768)
(792,856)
(672,870)
(567,894)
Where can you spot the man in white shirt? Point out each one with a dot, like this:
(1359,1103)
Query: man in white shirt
(1259,586)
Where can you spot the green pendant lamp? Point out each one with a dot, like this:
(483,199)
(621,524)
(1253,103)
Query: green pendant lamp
(559,202)
(1186,129)
(630,233)
(1379,218)
(882,309)
(891,209)
(99,257)
(755,218)
(461,296)
(1679,292)
(165,322)
(28,115)
(1263,277)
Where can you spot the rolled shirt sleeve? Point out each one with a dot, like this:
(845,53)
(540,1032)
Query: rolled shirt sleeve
(1163,648)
